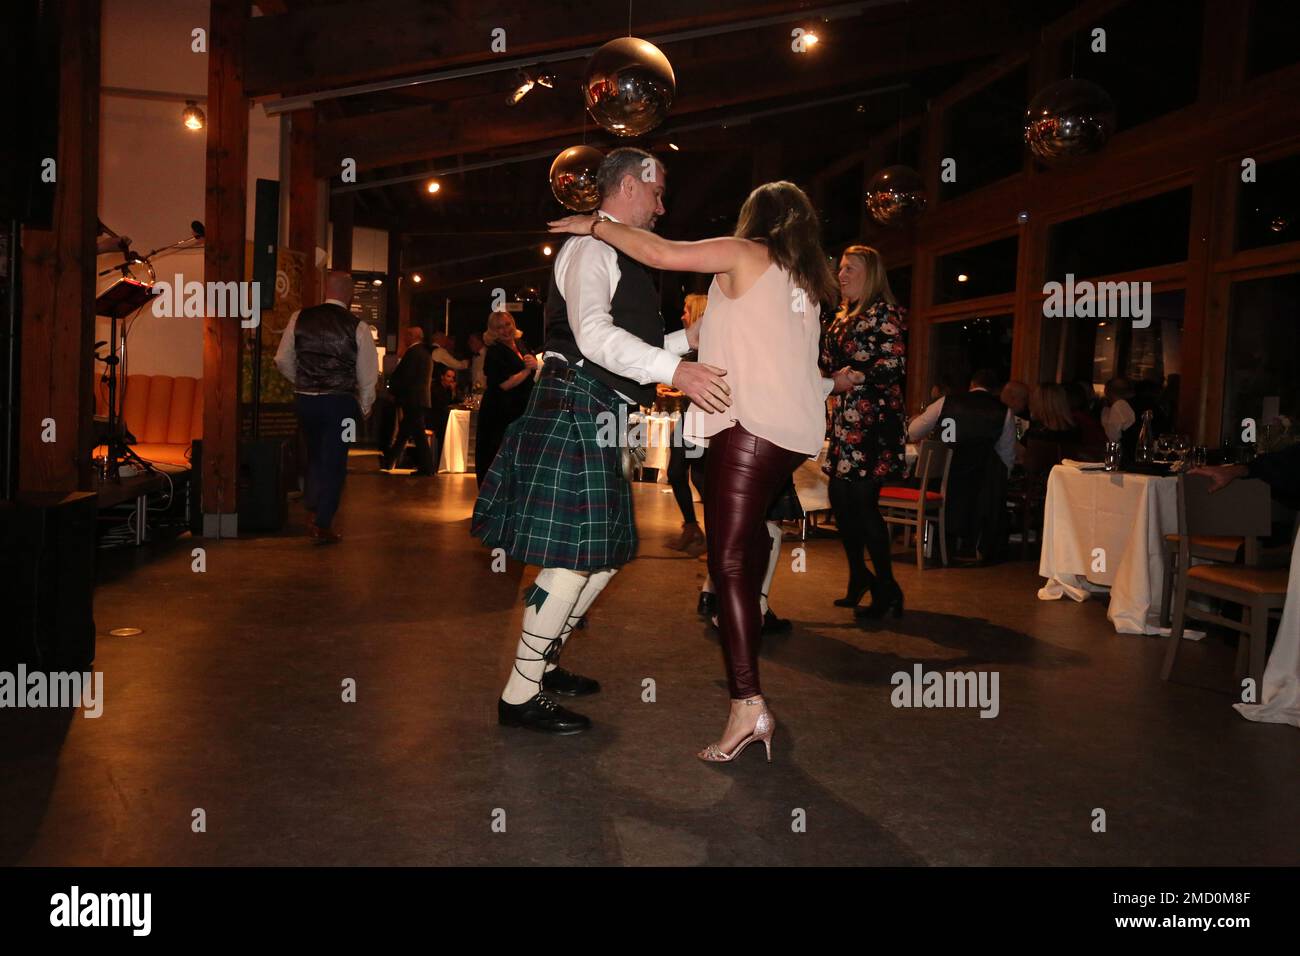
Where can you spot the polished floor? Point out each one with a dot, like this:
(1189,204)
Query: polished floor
(230,702)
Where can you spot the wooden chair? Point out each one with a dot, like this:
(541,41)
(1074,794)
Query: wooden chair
(1027,500)
(1219,549)
(1242,509)
(916,508)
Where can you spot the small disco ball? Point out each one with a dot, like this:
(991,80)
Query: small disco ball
(1069,119)
(573,178)
(896,195)
(629,86)
(1022,216)
(1279,223)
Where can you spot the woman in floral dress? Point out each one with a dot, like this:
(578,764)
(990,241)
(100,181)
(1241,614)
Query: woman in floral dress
(867,434)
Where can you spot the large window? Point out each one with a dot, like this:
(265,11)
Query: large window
(1271,41)
(1095,350)
(984,133)
(1267,209)
(1263,354)
(989,269)
(958,348)
(1149,232)
(1151,62)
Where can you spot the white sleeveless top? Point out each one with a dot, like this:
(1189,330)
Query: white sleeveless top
(768,341)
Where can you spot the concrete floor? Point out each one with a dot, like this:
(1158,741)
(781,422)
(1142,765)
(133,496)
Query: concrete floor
(230,701)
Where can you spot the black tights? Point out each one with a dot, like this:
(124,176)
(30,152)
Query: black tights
(857,516)
(686,464)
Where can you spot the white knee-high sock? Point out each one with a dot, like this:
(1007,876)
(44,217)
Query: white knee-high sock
(547,605)
(596,582)
(774,529)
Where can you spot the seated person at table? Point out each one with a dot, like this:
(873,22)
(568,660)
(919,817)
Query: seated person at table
(1280,470)
(1092,437)
(982,434)
(1050,416)
(444,395)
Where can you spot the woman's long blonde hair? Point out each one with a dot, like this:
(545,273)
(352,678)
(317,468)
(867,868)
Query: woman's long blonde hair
(693,308)
(491,334)
(875,285)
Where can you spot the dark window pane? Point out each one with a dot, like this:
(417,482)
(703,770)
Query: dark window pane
(1151,65)
(1149,232)
(900,283)
(984,133)
(842,215)
(1263,355)
(1267,208)
(959,348)
(1271,41)
(1094,351)
(982,270)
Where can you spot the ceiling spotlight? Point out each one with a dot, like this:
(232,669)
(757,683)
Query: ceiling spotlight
(962,277)
(432,186)
(674,147)
(417,278)
(193,116)
(546,250)
(526,83)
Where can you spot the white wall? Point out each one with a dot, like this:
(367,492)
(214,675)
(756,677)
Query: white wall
(152,169)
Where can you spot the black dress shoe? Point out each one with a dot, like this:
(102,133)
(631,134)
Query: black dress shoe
(560,681)
(541,714)
(708,605)
(773,624)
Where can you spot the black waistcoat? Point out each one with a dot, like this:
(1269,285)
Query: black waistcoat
(634,308)
(325,349)
(978,418)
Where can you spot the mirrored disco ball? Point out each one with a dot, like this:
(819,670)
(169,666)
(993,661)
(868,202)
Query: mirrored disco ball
(573,178)
(629,86)
(896,195)
(1069,119)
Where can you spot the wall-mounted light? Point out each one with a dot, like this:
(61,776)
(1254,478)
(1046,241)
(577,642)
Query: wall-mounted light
(417,278)
(963,277)
(193,116)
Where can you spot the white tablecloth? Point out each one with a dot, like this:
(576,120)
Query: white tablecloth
(1127,517)
(813,485)
(455,442)
(1280,695)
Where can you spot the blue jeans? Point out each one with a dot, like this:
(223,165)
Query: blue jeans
(323,420)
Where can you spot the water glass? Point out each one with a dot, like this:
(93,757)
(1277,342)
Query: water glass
(1112,455)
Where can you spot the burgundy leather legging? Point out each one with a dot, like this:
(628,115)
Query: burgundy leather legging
(743,476)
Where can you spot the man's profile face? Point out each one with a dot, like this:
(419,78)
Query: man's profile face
(647,196)
(449,380)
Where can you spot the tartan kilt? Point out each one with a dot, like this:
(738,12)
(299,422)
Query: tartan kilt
(555,496)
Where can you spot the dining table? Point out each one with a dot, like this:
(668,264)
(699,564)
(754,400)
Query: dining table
(1104,533)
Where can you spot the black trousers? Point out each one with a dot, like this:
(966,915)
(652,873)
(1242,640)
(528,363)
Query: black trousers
(324,419)
(412,427)
(745,473)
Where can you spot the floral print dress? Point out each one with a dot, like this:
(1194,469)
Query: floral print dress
(868,440)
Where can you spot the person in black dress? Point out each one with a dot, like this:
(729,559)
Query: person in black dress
(509,372)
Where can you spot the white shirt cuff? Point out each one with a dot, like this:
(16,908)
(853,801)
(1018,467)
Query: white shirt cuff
(676,343)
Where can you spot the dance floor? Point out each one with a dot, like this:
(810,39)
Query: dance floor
(230,701)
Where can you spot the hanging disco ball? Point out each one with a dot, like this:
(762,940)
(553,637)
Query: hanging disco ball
(629,86)
(896,195)
(1069,119)
(573,178)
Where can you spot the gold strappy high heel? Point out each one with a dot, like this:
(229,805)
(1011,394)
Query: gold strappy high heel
(762,731)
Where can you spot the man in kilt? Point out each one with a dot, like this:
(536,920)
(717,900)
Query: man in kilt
(556,495)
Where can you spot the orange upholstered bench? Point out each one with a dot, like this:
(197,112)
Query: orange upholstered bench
(165,414)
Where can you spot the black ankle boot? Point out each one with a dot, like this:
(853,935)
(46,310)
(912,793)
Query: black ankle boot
(855,593)
(708,605)
(885,597)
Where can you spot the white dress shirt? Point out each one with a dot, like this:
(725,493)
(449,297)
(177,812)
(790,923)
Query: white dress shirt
(923,424)
(587,274)
(286,360)
(444,357)
(1117,417)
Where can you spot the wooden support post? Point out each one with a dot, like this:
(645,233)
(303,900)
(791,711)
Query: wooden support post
(56,404)
(303,228)
(341,208)
(223,261)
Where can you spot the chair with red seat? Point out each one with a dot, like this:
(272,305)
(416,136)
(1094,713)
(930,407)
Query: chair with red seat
(917,508)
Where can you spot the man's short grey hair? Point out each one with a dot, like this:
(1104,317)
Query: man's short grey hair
(624,161)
